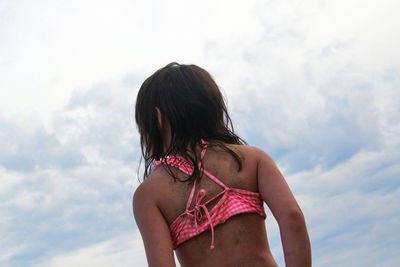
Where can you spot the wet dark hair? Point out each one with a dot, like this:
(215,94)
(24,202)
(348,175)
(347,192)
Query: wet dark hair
(192,103)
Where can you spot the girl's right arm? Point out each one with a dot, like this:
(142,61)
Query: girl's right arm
(277,195)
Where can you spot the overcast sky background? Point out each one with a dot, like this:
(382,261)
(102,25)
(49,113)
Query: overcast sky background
(315,84)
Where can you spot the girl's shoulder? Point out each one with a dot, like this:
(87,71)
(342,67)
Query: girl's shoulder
(250,152)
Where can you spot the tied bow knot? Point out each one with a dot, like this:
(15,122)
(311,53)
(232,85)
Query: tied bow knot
(198,215)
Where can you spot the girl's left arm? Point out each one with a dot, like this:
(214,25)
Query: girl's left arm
(153,228)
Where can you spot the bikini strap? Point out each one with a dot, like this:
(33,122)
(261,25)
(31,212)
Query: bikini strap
(215,179)
(203,152)
(212,177)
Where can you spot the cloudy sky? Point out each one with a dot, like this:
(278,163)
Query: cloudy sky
(314,83)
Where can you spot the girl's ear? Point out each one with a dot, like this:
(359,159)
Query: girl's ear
(159,118)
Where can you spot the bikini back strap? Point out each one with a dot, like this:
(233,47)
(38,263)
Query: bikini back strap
(212,177)
(203,152)
(215,179)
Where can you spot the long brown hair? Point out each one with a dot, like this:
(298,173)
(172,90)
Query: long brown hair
(194,106)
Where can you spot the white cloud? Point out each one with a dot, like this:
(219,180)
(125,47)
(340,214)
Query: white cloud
(123,250)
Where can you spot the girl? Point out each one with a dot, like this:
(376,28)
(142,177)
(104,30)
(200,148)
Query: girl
(204,187)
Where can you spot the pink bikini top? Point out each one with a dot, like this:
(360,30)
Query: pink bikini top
(192,222)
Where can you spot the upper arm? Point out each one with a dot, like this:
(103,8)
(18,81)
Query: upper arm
(275,191)
(153,228)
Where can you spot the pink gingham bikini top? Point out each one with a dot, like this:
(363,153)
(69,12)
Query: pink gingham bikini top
(193,222)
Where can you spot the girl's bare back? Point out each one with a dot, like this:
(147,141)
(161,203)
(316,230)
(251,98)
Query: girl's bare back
(242,239)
